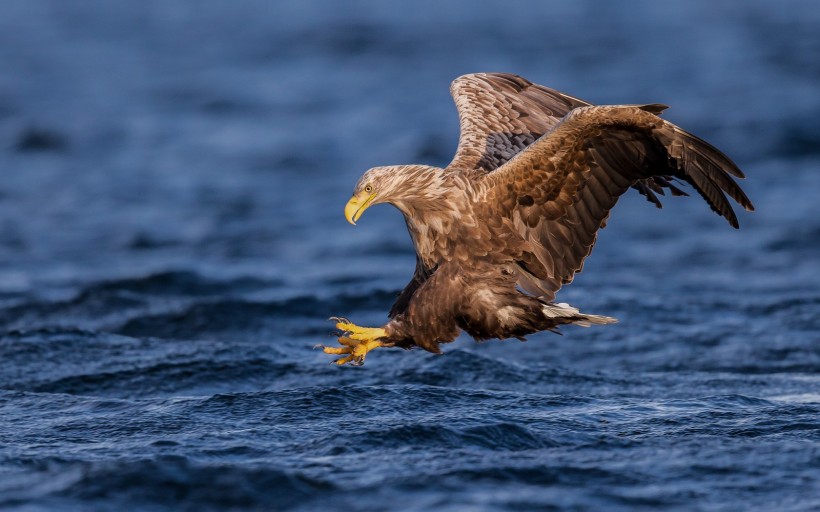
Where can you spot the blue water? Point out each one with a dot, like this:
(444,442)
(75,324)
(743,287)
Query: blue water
(172,244)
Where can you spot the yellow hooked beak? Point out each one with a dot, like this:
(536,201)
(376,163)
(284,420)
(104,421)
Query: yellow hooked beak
(357,205)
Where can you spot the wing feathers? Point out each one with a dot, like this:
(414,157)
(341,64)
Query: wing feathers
(575,173)
(501,114)
(708,186)
(709,171)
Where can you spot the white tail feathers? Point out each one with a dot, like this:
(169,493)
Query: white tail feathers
(574,316)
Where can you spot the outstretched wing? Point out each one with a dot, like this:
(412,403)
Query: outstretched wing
(500,114)
(558,192)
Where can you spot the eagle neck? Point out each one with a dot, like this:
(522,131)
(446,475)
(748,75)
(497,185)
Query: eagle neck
(432,220)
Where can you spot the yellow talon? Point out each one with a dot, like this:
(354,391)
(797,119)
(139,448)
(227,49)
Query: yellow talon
(344,360)
(348,342)
(356,342)
(334,350)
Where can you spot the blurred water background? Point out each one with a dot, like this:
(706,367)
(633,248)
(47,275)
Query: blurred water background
(172,244)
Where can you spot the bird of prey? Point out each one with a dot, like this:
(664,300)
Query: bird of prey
(510,221)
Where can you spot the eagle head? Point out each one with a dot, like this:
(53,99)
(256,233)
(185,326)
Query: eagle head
(399,185)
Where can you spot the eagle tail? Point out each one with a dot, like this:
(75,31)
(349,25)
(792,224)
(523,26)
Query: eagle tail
(563,313)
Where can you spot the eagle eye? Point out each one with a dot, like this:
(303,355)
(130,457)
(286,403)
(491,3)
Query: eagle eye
(368,188)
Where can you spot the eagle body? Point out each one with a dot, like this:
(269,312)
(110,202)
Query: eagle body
(510,221)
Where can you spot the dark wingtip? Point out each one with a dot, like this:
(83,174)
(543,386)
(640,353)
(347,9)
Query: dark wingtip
(654,108)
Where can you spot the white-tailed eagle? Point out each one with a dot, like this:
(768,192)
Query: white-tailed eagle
(511,219)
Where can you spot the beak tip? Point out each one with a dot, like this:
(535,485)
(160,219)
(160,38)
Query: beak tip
(356,206)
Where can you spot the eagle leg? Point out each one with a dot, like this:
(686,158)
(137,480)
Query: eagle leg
(356,342)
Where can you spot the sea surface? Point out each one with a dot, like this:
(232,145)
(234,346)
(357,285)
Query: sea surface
(172,179)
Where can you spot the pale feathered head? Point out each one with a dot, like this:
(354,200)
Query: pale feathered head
(400,185)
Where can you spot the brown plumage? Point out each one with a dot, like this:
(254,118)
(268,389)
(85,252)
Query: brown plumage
(514,215)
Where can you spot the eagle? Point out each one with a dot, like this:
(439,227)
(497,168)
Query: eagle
(511,219)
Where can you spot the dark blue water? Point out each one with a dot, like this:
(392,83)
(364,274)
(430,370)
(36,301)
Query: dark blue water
(172,244)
